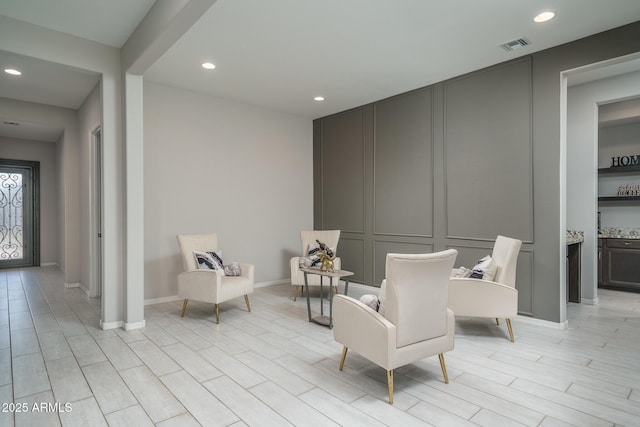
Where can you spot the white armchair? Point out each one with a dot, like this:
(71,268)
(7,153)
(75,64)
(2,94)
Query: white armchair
(209,285)
(495,299)
(308,237)
(416,321)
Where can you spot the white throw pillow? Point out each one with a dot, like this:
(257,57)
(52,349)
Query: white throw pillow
(232,269)
(371,301)
(485,269)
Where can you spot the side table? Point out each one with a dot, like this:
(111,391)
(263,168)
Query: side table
(339,274)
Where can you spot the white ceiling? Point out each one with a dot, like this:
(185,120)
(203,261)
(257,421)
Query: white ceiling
(279,54)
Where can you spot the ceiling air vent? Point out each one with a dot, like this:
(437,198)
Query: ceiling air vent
(515,44)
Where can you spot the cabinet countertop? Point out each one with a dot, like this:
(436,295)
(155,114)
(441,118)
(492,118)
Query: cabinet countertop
(619,233)
(574,236)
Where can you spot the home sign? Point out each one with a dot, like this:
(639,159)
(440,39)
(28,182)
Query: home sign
(625,161)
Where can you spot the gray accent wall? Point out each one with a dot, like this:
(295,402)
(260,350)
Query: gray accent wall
(455,164)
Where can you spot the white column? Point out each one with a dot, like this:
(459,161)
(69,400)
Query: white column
(134,211)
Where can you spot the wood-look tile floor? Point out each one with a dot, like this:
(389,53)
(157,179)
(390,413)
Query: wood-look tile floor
(271,367)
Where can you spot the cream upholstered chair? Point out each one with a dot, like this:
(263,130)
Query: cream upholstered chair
(209,285)
(495,299)
(416,322)
(308,237)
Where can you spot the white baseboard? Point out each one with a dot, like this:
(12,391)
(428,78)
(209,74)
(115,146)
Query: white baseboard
(544,323)
(134,325)
(589,301)
(271,283)
(71,285)
(162,300)
(48,264)
(111,325)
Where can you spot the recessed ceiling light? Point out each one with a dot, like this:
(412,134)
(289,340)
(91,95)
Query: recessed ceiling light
(208,66)
(319,98)
(12,71)
(544,17)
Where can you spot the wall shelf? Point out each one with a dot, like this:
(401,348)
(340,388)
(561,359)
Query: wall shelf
(622,170)
(619,199)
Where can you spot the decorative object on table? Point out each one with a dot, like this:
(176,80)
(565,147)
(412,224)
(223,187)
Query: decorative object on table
(326,256)
(416,323)
(308,242)
(210,285)
(496,298)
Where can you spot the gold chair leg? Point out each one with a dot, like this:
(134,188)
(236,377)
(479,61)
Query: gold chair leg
(295,295)
(184,307)
(510,330)
(344,356)
(218,314)
(497,321)
(390,385)
(444,368)
(246,299)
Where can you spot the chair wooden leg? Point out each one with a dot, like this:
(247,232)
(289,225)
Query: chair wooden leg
(510,330)
(444,368)
(295,295)
(497,321)
(390,385)
(218,314)
(246,299)
(344,356)
(184,307)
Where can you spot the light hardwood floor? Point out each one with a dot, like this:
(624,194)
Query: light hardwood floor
(271,367)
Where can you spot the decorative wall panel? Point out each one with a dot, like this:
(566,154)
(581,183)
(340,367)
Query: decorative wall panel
(342,166)
(403,165)
(488,154)
(351,252)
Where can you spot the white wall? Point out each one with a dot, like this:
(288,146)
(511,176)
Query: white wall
(582,164)
(45,153)
(212,165)
(89,119)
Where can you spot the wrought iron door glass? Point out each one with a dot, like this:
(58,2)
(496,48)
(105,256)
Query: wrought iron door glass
(12,212)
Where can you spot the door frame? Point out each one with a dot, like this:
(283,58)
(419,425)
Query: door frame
(96,215)
(32,217)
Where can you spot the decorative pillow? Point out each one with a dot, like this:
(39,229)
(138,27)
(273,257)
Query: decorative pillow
(304,262)
(486,269)
(312,254)
(209,260)
(370,300)
(232,269)
(463,272)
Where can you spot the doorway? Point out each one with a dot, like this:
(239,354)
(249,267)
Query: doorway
(19,213)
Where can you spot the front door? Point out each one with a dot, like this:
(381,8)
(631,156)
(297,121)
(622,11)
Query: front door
(19,236)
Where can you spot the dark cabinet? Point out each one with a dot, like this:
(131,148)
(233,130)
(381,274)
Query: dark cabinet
(600,262)
(573,272)
(621,264)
